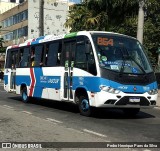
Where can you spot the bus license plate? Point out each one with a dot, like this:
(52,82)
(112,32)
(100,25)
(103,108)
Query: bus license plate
(136,100)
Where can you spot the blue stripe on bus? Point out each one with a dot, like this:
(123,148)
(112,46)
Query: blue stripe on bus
(93,84)
(23,79)
(44,82)
(41,81)
(89,83)
(5,79)
(37,40)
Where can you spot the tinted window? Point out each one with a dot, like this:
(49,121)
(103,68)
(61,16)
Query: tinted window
(84,60)
(52,54)
(12,59)
(38,55)
(121,54)
(24,62)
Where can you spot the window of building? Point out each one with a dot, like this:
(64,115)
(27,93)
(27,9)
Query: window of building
(15,19)
(25,31)
(15,34)
(21,1)
(12,1)
(20,32)
(11,20)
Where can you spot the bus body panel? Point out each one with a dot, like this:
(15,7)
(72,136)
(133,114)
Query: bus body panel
(52,82)
(8,80)
(42,83)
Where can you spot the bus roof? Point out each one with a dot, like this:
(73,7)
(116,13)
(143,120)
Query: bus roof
(48,38)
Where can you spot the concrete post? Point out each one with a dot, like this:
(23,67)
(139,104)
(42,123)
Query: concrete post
(140,21)
(41,18)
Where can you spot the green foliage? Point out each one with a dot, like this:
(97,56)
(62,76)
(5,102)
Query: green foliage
(1,43)
(2,49)
(152,28)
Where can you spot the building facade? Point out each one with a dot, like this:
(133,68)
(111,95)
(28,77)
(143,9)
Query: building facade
(22,21)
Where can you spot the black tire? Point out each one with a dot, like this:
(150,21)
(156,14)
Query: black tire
(84,106)
(25,97)
(131,111)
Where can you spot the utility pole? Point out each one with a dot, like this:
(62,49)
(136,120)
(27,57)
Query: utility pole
(41,17)
(140,21)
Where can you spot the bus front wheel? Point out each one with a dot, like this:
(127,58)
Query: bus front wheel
(25,97)
(84,106)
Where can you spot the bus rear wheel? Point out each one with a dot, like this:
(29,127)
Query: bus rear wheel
(25,97)
(131,111)
(84,106)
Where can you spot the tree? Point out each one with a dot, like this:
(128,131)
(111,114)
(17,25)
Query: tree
(110,15)
(152,29)
(2,49)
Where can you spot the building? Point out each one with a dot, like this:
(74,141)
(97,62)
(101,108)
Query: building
(22,21)
(8,4)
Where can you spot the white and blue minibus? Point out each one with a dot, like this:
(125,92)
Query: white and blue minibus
(88,68)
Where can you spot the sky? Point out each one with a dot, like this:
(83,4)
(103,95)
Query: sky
(76,1)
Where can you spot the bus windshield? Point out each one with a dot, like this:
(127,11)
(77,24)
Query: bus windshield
(121,54)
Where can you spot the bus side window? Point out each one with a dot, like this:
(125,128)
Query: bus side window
(8,60)
(52,55)
(80,57)
(25,58)
(83,60)
(38,56)
(46,54)
(32,56)
(21,57)
(59,55)
(13,57)
(16,58)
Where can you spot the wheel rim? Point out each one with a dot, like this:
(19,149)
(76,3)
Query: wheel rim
(85,105)
(24,95)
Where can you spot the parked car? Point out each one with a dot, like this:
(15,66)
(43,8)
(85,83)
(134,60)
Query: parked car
(1,74)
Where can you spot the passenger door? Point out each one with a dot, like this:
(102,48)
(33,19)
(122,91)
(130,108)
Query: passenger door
(68,61)
(10,71)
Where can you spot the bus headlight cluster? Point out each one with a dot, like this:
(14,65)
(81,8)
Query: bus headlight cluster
(153,91)
(109,89)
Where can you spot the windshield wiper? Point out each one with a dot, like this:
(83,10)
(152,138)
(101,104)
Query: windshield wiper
(130,57)
(135,61)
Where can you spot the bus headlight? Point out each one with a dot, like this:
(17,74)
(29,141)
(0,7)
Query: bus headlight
(109,89)
(153,91)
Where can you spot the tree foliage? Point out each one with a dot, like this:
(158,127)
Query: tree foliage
(118,16)
(1,43)
(2,49)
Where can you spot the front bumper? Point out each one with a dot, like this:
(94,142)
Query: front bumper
(122,100)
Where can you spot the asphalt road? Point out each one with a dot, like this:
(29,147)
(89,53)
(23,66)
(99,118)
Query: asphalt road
(51,121)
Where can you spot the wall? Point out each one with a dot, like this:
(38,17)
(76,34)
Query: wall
(4,6)
(55,14)
(9,13)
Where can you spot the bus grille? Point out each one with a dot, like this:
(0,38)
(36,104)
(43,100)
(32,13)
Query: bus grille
(125,101)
